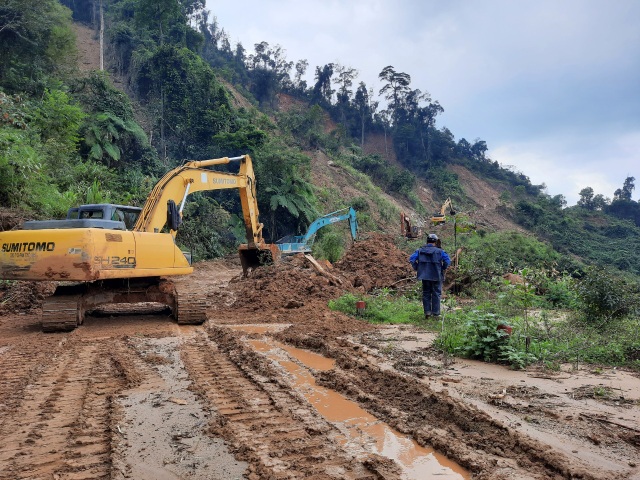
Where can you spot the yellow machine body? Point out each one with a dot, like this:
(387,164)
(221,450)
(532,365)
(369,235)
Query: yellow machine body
(149,248)
(88,254)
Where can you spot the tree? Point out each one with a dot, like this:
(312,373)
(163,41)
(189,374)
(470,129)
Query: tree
(478,149)
(600,202)
(427,120)
(269,71)
(158,16)
(624,193)
(344,82)
(301,69)
(397,86)
(365,107)
(586,198)
(36,41)
(322,91)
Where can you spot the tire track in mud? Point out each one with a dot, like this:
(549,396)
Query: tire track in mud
(268,425)
(21,362)
(61,425)
(488,448)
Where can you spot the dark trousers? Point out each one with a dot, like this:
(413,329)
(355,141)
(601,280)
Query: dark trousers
(431,291)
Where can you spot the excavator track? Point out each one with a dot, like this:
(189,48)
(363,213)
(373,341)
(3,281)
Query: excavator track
(190,306)
(61,312)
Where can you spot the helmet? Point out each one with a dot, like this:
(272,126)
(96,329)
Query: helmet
(432,238)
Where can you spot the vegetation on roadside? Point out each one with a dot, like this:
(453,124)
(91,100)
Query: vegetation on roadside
(554,318)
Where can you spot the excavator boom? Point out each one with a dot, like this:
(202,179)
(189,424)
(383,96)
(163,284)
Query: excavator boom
(302,243)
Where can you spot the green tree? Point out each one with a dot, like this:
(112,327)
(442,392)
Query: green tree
(604,295)
(586,198)
(366,108)
(396,88)
(322,91)
(36,41)
(624,193)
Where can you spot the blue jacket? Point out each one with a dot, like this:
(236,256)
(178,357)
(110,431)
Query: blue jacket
(430,262)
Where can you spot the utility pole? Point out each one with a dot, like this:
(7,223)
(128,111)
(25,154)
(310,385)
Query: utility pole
(101,38)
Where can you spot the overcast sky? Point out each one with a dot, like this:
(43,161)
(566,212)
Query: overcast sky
(552,86)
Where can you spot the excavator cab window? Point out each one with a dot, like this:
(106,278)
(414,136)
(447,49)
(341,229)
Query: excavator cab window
(93,214)
(126,216)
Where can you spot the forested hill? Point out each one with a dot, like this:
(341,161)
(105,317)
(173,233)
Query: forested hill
(174,88)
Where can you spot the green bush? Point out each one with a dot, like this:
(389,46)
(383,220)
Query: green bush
(604,295)
(330,247)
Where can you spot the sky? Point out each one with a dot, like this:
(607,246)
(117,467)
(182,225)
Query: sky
(552,86)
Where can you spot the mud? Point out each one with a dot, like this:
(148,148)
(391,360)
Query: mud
(131,396)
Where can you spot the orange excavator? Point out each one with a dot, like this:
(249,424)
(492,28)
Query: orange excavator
(107,254)
(407,229)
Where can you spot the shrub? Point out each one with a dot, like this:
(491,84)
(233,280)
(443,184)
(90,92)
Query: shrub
(330,246)
(604,295)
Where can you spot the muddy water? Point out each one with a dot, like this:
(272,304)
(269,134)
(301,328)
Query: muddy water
(163,428)
(360,428)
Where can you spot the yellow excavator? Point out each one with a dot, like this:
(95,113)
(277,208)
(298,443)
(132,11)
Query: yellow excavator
(440,217)
(105,254)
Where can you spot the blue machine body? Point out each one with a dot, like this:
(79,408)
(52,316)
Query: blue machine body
(302,243)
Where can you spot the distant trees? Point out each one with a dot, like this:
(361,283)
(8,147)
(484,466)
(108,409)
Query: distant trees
(622,205)
(624,194)
(36,40)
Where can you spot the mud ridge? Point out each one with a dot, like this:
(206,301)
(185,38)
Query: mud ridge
(460,431)
(270,425)
(62,426)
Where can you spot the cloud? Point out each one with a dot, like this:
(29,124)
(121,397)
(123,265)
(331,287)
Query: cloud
(601,163)
(552,87)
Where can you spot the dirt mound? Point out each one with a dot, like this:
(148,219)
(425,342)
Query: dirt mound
(293,282)
(375,263)
(10,219)
(289,284)
(23,296)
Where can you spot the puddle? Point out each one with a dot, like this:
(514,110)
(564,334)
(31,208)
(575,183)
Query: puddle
(260,328)
(359,427)
(310,359)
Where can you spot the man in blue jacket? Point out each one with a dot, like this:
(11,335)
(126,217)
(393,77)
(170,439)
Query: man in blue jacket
(430,262)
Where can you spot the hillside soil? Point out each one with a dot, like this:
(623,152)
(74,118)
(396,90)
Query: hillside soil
(275,385)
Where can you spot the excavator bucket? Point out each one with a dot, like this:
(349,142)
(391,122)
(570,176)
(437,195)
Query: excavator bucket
(261,254)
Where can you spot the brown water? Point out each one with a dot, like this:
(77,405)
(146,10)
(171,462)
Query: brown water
(358,426)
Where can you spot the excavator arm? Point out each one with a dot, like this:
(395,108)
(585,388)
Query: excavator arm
(193,177)
(167,199)
(333,217)
(302,243)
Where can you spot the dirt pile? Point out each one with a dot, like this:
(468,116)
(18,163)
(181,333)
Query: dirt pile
(10,219)
(289,284)
(375,263)
(23,296)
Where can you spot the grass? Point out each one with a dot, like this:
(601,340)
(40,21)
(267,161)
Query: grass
(544,336)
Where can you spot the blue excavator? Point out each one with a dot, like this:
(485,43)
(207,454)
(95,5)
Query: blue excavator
(302,243)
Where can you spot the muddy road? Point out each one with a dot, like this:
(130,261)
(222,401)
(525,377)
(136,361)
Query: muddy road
(275,385)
